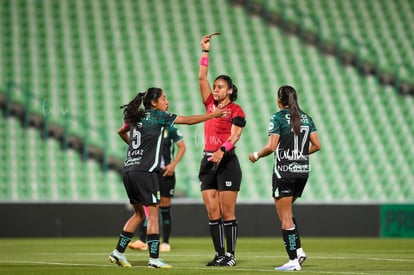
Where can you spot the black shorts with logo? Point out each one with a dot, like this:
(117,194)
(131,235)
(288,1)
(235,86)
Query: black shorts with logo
(142,187)
(287,187)
(224,177)
(167,185)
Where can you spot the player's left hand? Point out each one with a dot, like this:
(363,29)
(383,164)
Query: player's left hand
(168,171)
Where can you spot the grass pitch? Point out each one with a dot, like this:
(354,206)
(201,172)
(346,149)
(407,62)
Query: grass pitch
(353,256)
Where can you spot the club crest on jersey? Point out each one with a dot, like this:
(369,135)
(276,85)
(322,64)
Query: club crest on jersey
(213,107)
(271,126)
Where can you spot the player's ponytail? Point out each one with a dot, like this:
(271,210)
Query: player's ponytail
(132,111)
(233,95)
(288,97)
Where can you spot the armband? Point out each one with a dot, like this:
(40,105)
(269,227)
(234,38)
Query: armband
(239,121)
(227,146)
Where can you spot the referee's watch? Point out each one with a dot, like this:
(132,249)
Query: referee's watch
(222,148)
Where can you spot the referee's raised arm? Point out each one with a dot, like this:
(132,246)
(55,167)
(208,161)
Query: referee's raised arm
(205,89)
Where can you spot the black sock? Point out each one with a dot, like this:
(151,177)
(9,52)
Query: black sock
(230,230)
(289,238)
(124,239)
(166,223)
(298,243)
(217,235)
(153,241)
(143,231)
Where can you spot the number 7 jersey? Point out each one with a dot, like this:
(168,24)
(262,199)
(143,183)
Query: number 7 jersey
(292,153)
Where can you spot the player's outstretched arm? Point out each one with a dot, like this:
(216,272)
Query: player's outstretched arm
(200,118)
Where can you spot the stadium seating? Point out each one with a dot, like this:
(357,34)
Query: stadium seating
(80,60)
(382,27)
(33,169)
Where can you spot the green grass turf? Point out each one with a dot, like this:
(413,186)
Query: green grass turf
(189,256)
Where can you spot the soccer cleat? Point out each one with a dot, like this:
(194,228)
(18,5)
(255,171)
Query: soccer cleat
(217,260)
(301,256)
(165,247)
(138,245)
(289,266)
(229,260)
(158,263)
(119,259)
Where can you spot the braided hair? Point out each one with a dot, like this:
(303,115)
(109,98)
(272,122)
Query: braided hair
(132,111)
(288,97)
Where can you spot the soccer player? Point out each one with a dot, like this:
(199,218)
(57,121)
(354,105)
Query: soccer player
(169,161)
(220,173)
(292,138)
(143,129)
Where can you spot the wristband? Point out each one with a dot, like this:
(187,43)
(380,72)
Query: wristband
(204,61)
(227,145)
(256,155)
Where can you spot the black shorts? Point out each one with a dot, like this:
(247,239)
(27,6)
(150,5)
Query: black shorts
(142,187)
(287,187)
(167,185)
(226,177)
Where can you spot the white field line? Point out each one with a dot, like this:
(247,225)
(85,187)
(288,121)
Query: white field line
(144,254)
(183,268)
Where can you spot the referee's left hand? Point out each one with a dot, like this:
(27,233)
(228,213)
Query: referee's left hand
(217,156)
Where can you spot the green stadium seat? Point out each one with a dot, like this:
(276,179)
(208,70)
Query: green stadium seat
(99,54)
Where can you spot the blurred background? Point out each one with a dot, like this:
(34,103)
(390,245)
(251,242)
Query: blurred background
(67,65)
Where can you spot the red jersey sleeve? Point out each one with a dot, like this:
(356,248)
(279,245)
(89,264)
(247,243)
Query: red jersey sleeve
(237,112)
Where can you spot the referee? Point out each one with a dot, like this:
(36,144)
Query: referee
(220,173)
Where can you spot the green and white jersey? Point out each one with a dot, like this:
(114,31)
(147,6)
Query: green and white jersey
(146,141)
(292,153)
